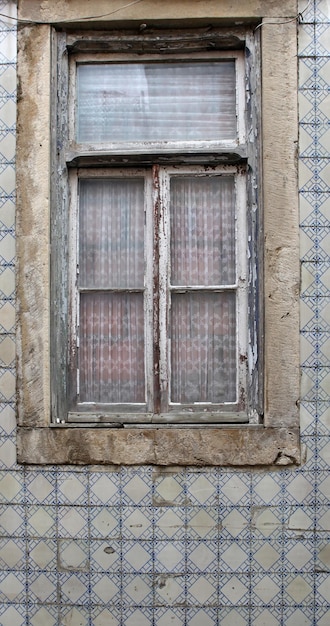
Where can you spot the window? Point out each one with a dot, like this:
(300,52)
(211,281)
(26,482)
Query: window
(161,314)
(158,266)
(151,348)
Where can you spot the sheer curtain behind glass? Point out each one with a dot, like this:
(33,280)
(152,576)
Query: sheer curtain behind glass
(176,101)
(203,318)
(111,264)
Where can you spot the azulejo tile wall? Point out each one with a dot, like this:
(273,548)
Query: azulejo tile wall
(143,547)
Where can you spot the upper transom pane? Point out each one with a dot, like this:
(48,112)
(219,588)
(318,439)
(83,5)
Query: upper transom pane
(178,101)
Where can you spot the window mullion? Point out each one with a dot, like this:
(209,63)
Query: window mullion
(164,294)
(149,314)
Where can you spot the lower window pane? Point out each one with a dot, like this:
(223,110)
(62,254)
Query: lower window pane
(111,353)
(203,347)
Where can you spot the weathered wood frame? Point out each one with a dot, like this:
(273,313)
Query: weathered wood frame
(276,441)
(156,231)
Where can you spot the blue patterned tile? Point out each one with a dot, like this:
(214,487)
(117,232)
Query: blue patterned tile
(169,489)
(202,523)
(7,211)
(306,40)
(13,614)
(75,615)
(322,34)
(266,555)
(106,589)
(322,589)
(12,586)
(73,555)
(11,487)
(322,410)
(201,488)
(266,589)
(105,488)
(308,420)
(267,616)
(40,487)
(137,589)
(7,420)
(322,517)
(41,521)
(315,207)
(42,554)
(298,589)
(235,522)
(134,616)
(234,589)
(164,616)
(135,491)
(41,614)
(323,453)
(267,522)
(234,489)
(42,587)
(206,616)
(137,556)
(301,522)
(307,11)
(298,554)
(74,588)
(302,615)
(169,556)
(12,553)
(202,556)
(105,555)
(322,553)
(238,616)
(72,522)
(12,521)
(234,556)
(322,615)
(137,523)
(102,616)
(7,394)
(170,522)
(72,488)
(266,488)
(105,522)
(7,292)
(299,488)
(170,589)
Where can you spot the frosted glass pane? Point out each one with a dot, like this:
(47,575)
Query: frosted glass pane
(111,352)
(202,213)
(203,347)
(111,238)
(156,102)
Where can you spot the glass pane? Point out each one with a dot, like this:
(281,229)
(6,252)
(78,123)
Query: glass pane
(203,347)
(111,237)
(156,102)
(202,230)
(111,352)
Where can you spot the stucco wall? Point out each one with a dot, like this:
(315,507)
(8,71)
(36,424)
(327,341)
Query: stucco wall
(139,546)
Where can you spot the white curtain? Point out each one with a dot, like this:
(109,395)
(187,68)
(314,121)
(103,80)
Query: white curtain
(175,101)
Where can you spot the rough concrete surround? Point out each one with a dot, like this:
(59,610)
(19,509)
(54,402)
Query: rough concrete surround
(279,249)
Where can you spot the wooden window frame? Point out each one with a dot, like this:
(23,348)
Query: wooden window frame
(276,439)
(156,185)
